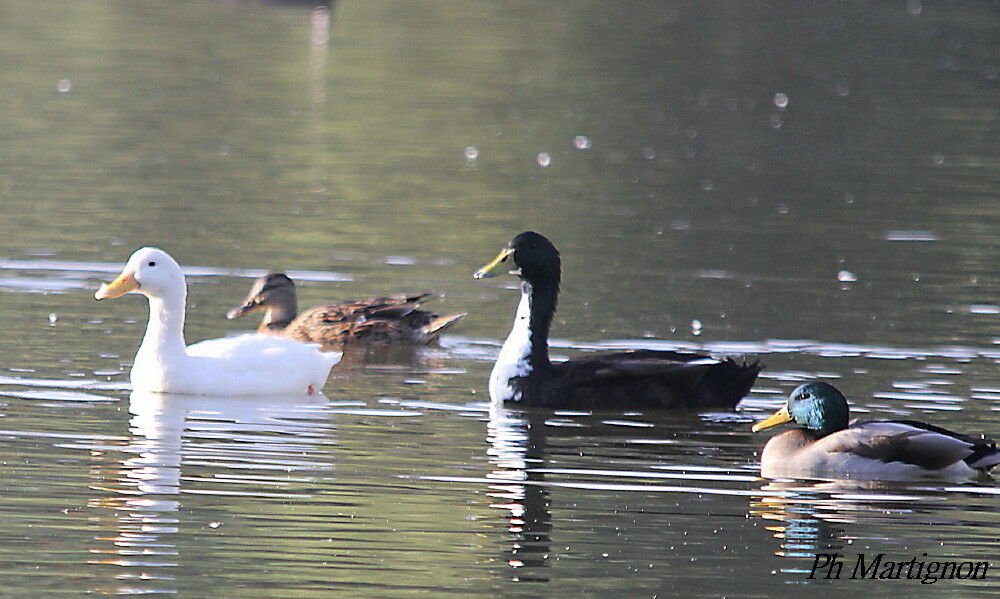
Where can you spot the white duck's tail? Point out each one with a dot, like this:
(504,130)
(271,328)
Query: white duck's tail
(332,358)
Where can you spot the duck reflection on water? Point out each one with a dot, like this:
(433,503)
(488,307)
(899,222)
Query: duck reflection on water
(191,444)
(517,449)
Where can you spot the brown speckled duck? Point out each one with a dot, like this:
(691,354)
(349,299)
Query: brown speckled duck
(376,320)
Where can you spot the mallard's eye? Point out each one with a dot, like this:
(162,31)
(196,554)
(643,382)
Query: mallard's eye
(151,263)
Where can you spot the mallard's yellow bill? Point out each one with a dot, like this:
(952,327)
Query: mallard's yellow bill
(779,417)
(122,284)
(490,270)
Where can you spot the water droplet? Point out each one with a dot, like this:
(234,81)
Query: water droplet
(848,198)
(842,89)
(544,159)
(696,327)
(782,209)
(780,100)
(64,86)
(938,158)
(846,276)
(648,153)
(581,142)
(471,153)
(707,184)
(914,7)
(775,121)
(214,524)
(53,317)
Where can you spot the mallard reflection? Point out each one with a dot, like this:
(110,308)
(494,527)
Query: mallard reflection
(810,517)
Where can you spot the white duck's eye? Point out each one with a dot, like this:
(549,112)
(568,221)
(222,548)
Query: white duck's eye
(151,263)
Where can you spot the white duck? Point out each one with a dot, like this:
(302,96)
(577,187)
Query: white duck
(244,365)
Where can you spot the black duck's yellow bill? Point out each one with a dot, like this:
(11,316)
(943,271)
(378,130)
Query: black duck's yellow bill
(122,284)
(779,417)
(490,270)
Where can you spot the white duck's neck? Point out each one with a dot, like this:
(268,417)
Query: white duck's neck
(164,339)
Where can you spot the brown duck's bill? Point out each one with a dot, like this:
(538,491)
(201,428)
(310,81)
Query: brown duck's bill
(122,284)
(780,417)
(492,269)
(241,310)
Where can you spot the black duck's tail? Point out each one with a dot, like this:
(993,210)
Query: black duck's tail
(985,455)
(728,381)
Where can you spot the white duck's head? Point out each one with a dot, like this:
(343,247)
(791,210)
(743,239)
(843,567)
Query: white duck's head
(149,271)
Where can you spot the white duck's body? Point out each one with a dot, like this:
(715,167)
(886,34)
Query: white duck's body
(244,365)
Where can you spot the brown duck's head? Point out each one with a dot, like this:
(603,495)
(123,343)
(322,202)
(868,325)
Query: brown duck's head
(535,258)
(271,291)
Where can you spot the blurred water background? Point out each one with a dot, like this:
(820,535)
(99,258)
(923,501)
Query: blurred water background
(812,184)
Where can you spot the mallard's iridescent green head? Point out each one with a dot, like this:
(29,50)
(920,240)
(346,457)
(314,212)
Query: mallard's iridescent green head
(536,259)
(816,406)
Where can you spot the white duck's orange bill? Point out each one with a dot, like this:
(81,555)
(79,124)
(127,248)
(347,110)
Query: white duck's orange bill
(122,284)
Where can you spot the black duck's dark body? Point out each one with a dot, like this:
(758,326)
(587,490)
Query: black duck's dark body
(637,379)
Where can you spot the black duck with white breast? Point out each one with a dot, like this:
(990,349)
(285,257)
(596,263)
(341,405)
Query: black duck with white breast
(631,379)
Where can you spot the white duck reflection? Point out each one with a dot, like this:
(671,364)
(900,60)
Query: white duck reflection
(224,433)
(246,446)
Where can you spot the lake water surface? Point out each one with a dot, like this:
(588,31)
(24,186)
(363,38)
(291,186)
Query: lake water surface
(811,185)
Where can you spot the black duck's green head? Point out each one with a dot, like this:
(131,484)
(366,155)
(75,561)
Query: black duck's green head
(816,406)
(535,258)
(274,289)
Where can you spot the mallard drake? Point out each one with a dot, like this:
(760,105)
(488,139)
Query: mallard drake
(245,365)
(828,446)
(393,319)
(631,379)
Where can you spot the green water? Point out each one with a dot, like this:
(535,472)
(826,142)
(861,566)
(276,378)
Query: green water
(816,185)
